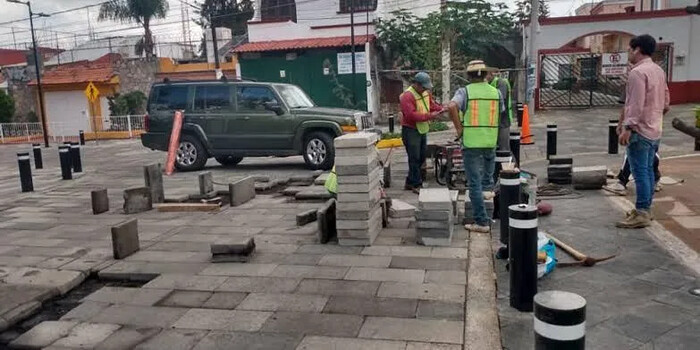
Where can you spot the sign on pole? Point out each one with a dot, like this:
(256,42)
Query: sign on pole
(614,63)
(345,62)
(91,92)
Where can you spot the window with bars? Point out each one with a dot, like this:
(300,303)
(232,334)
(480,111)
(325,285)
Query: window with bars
(358,5)
(278,10)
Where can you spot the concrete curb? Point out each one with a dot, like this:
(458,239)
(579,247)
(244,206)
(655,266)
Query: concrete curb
(389,143)
(663,237)
(482,330)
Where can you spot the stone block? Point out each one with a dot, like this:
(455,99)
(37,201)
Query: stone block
(185,298)
(386,175)
(385,274)
(357,206)
(358,188)
(413,329)
(153,176)
(224,300)
(454,196)
(373,196)
(233,246)
(137,200)
(125,239)
(314,324)
(371,306)
(589,177)
(356,140)
(127,338)
(401,209)
(356,160)
(100,201)
(173,339)
(375,217)
(307,217)
(440,310)
(313,192)
(43,334)
(338,287)
(560,159)
(206,182)
(87,335)
(434,199)
(434,215)
(441,240)
(326,218)
(423,291)
(283,302)
(224,320)
(242,191)
(354,170)
(243,340)
(259,285)
(361,179)
(321,179)
(356,151)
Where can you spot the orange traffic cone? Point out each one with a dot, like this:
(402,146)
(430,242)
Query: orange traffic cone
(526,137)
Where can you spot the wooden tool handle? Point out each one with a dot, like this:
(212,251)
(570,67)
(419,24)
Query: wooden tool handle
(567,248)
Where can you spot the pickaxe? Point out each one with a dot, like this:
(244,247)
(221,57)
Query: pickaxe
(582,259)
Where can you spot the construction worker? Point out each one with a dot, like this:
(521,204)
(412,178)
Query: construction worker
(506,118)
(482,105)
(417,108)
(331,183)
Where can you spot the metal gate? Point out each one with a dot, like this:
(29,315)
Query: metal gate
(576,81)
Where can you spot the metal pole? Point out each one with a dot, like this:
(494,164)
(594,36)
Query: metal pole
(25,172)
(38,160)
(551,140)
(352,48)
(215,46)
(612,136)
(391,123)
(26,128)
(522,252)
(128,123)
(2,135)
(42,113)
(559,320)
(64,156)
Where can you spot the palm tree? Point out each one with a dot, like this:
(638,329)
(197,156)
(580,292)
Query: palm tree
(139,11)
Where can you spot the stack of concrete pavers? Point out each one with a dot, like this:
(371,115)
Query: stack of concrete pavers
(435,217)
(469,211)
(359,213)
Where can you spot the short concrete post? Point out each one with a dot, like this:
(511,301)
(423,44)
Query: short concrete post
(560,320)
(100,201)
(125,239)
(206,182)
(326,222)
(137,200)
(242,191)
(153,176)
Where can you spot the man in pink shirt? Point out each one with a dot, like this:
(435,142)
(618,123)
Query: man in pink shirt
(647,100)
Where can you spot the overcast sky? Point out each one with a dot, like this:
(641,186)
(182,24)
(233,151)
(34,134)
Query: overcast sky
(72,27)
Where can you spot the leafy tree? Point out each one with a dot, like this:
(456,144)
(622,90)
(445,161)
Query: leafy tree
(7,107)
(232,14)
(522,12)
(127,104)
(139,11)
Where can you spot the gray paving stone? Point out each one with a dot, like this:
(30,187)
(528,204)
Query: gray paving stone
(59,281)
(259,285)
(173,339)
(153,178)
(449,253)
(601,337)
(415,251)
(206,182)
(338,287)
(127,338)
(323,343)
(143,316)
(671,279)
(85,311)
(371,306)
(100,201)
(224,300)
(434,199)
(225,320)
(301,271)
(685,337)
(327,249)
(314,324)
(87,335)
(137,200)
(129,296)
(648,321)
(236,269)
(283,302)
(125,239)
(146,271)
(355,260)
(43,334)
(249,341)
(242,191)
(446,277)
(185,298)
(440,310)
(413,329)
(422,291)
(431,346)
(378,274)
(402,262)
(356,140)
(186,282)
(360,179)
(433,215)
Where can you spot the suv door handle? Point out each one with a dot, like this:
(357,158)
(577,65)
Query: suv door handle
(246,118)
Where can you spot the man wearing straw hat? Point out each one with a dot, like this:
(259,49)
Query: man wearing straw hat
(482,105)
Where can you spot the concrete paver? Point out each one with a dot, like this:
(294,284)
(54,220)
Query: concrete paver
(422,291)
(173,339)
(320,343)
(44,334)
(331,325)
(240,340)
(87,335)
(259,284)
(283,302)
(411,329)
(143,316)
(225,320)
(371,306)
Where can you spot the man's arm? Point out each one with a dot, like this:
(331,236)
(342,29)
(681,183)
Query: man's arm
(458,103)
(408,108)
(667,100)
(434,106)
(635,98)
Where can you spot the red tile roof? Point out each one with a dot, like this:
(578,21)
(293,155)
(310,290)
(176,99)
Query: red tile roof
(200,75)
(78,72)
(10,57)
(280,45)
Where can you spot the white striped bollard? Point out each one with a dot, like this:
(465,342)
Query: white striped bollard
(25,172)
(38,160)
(560,321)
(515,146)
(551,140)
(522,255)
(64,156)
(501,157)
(612,136)
(509,194)
(76,162)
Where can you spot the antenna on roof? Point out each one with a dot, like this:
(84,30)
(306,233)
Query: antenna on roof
(166,80)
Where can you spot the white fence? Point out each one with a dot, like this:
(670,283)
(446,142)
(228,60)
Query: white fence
(112,127)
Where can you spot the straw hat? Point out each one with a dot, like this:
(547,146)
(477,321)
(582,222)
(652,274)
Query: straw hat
(479,66)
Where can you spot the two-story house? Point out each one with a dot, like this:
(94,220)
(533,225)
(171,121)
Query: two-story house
(309,43)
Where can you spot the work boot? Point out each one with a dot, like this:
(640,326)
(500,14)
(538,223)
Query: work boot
(658,187)
(477,228)
(489,195)
(636,219)
(616,188)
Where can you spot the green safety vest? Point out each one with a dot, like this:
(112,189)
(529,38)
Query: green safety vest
(422,107)
(481,117)
(509,107)
(331,183)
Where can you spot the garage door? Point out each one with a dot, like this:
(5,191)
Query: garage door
(67,112)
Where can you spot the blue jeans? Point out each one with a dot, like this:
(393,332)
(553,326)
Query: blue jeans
(641,153)
(416,144)
(479,165)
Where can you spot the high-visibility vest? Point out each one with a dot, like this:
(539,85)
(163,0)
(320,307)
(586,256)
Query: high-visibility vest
(481,117)
(331,183)
(422,106)
(509,107)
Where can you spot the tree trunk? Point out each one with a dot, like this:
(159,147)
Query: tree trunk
(148,38)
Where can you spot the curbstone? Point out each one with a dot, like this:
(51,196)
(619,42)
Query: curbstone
(125,239)
(242,191)
(153,176)
(137,200)
(326,217)
(100,201)
(306,217)
(206,182)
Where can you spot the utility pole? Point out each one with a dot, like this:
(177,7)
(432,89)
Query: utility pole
(352,48)
(42,113)
(446,62)
(533,59)
(215,46)
(14,41)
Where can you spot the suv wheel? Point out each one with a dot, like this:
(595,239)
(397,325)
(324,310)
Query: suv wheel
(319,152)
(191,155)
(228,160)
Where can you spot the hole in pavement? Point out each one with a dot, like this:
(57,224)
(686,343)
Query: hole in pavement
(54,308)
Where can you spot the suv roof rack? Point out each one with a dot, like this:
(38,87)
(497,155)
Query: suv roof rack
(223,79)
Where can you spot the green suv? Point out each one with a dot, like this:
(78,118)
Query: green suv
(229,120)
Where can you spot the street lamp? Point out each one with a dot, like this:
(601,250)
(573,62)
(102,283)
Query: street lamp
(42,113)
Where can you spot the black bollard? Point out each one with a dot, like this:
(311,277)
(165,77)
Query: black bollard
(75,157)
(38,160)
(391,123)
(509,194)
(64,156)
(81,135)
(522,252)
(25,172)
(551,140)
(560,321)
(515,146)
(612,136)
(501,158)
(519,116)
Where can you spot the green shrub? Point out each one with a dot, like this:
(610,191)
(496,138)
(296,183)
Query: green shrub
(391,135)
(7,107)
(438,126)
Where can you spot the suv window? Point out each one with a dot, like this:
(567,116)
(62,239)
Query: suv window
(212,97)
(253,98)
(171,98)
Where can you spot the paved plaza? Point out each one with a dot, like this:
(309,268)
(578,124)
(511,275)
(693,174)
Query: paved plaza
(298,294)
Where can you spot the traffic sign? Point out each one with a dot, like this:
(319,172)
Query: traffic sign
(91,92)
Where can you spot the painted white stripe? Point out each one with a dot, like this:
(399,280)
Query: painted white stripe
(515,137)
(613,124)
(37,147)
(524,224)
(23,158)
(564,333)
(63,150)
(74,146)
(502,159)
(510,182)
(551,129)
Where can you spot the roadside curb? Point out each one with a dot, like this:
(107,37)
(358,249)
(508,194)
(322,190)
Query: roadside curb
(482,330)
(389,143)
